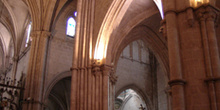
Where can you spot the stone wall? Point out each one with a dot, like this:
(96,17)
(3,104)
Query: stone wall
(60,50)
(23,61)
(133,71)
(162,89)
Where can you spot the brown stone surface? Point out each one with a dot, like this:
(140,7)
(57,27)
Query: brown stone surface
(185,74)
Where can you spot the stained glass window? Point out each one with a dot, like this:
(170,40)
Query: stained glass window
(71,27)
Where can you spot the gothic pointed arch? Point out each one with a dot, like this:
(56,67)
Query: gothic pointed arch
(115,14)
(145,98)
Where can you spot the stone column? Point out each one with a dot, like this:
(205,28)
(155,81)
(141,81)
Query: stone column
(86,77)
(36,70)
(97,74)
(176,80)
(214,51)
(74,85)
(113,79)
(102,85)
(193,55)
(106,71)
(207,16)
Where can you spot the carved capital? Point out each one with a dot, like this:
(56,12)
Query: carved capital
(200,14)
(211,14)
(113,77)
(207,13)
(96,70)
(106,70)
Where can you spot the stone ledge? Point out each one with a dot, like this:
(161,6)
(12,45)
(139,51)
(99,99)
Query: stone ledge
(177,82)
(214,79)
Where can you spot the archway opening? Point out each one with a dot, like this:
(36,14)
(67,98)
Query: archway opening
(140,73)
(129,99)
(59,97)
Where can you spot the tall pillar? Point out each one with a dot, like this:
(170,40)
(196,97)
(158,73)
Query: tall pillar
(35,75)
(98,76)
(106,72)
(211,87)
(208,16)
(86,77)
(98,92)
(193,55)
(113,79)
(214,51)
(102,85)
(176,78)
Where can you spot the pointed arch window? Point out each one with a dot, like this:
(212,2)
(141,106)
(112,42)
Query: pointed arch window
(28,34)
(71,27)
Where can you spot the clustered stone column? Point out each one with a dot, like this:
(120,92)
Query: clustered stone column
(91,91)
(193,55)
(113,79)
(35,76)
(90,80)
(176,81)
(82,88)
(102,83)
(208,16)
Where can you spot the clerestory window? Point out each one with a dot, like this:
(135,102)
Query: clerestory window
(28,34)
(71,27)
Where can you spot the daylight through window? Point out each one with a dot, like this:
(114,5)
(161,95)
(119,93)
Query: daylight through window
(28,34)
(71,27)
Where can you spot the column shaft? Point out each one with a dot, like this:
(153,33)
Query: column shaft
(208,63)
(215,62)
(178,101)
(36,71)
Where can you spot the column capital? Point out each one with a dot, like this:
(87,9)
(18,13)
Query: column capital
(113,77)
(96,70)
(211,14)
(207,12)
(106,69)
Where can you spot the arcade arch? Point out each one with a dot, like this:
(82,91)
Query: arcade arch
(140,21)
(59,96)
(138,69)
